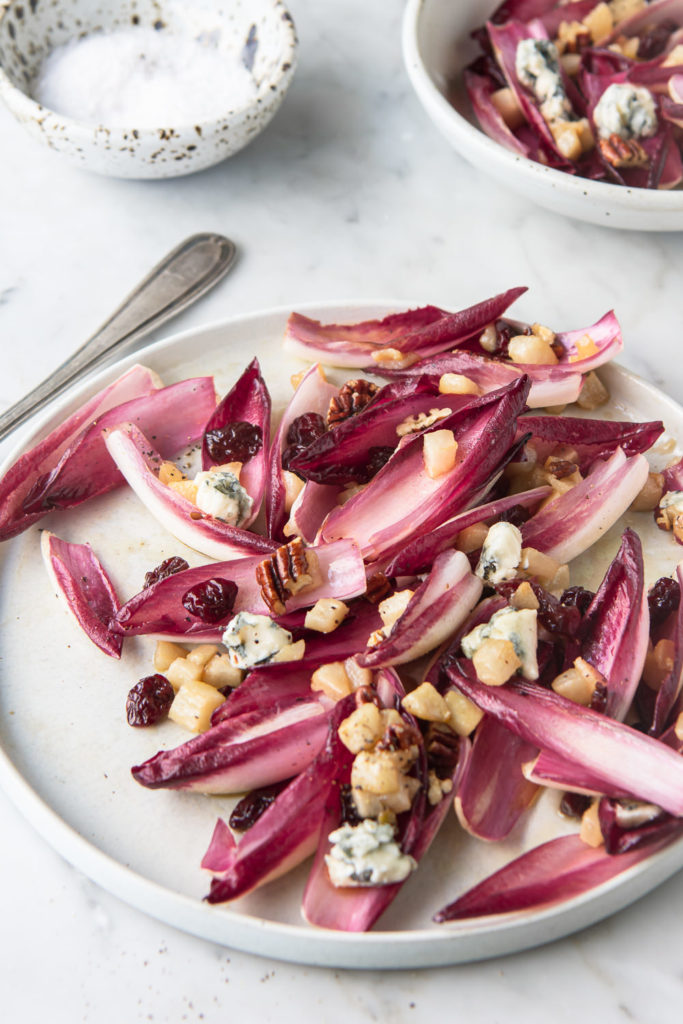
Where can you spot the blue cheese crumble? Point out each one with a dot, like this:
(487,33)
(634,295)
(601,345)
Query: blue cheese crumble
(519,626)
(627,111)
(672,499)
(221,495)
(254,640)
(537,65)
(367,854)
(501,554)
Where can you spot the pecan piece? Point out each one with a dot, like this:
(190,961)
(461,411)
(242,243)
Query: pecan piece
(442,747)
(623,152)
(398,736)
(366,695)
(352,397)
(560,468)
(421,420)
(378,587)
(286,572)
(572,37)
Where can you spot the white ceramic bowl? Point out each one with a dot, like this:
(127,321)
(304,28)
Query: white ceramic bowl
(30,30)
(436,47)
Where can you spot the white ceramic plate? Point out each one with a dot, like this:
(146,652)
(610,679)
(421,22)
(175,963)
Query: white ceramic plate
(66,750)
(436,48)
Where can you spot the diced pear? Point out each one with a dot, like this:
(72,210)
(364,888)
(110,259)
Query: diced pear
(186,489)
(590,832)
(495,661)
(326,614)
(593,392)
(427,703)
(182,671)
(524,597)
(203,653)
(362,729)
(332,680)
(193,705)
(392,608)
(168,471)
(291,652)
(439,452)
(219,672)
(574,686)
(465,716)
(532,349)
(458,384)
(358,675)
(165,654)
(376,772)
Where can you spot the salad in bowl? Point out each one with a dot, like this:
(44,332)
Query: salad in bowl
(577,105)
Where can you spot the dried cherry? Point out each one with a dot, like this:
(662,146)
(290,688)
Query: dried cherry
(211,600)
(515,515)
(574,805)
(653,42)
(599,698)
(504,331)
(349,811)
(168,567)
(306,429)
(303,431)
(250,808)
(235,442)
(378,456)
(149,700)
(663,598)
(577,597)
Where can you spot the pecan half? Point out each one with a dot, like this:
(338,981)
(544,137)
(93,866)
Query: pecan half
(286,572)
(623,152)
(352,397)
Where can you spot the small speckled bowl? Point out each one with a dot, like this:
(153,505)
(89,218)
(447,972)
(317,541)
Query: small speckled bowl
(31,29)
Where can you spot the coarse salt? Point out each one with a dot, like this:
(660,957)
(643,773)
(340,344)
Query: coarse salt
(145,78)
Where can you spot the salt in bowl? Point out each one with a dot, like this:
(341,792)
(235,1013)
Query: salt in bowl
(255,39)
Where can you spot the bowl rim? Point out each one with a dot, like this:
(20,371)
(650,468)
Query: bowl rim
(25,107)
(475,141)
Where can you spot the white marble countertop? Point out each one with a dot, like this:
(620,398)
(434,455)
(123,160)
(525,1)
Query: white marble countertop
(350,193)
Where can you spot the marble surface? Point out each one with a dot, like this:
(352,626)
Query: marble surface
(350,193)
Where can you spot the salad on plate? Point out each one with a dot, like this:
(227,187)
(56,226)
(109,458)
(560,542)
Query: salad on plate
(384,627)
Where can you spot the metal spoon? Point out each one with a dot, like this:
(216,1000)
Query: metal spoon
(182,277)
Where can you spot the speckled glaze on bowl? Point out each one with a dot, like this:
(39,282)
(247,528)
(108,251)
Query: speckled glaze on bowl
(436,47)
(30,29)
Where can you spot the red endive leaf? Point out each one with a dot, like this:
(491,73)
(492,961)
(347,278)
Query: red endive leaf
(552,873)
(32,469)
(85,587)
(248,401)
(493,792)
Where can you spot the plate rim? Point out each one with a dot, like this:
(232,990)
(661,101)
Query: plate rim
(302,943)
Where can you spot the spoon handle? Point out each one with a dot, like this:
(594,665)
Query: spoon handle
(183,276)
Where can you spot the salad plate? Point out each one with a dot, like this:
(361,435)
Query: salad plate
(66,749)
